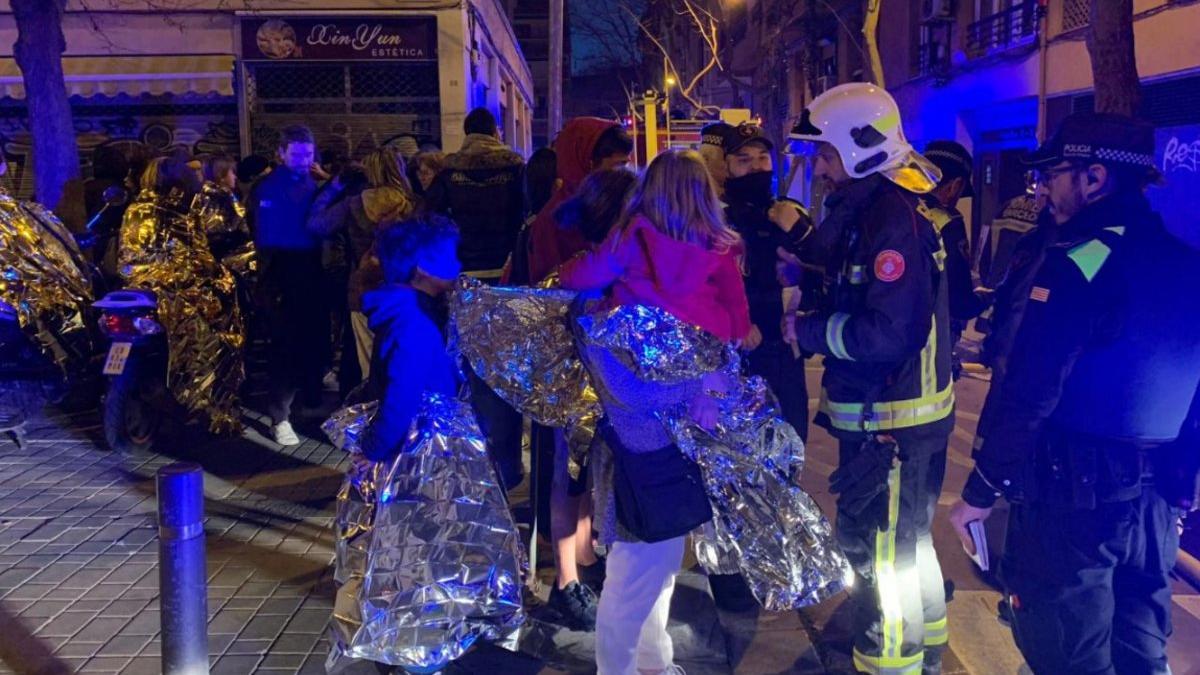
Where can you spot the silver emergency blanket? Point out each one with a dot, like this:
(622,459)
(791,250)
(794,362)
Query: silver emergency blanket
(783,544)
(519,341)
(429,557)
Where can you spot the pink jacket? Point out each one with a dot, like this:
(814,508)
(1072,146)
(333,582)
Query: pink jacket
(643,266)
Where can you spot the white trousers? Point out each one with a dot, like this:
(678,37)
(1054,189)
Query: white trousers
(631,622)
(364,341)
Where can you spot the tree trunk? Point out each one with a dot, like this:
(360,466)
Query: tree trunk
(1114,63)
(38,51)
(554,91)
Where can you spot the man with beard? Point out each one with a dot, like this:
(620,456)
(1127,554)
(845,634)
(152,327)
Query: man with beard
(1080,434)
(881,322)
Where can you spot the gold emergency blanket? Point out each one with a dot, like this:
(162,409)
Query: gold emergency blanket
(429,559)
(44,278)
(519,341)
(223,219)
(782,543)
(164,249)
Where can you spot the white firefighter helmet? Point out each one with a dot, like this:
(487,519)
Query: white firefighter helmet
(862,121)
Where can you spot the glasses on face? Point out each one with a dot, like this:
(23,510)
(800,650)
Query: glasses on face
(1042,177)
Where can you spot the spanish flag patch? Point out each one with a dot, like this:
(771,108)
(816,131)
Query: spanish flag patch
(1040,294)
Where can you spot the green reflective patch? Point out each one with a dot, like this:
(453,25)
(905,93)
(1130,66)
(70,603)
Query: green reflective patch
(1090,257)
(1119,229)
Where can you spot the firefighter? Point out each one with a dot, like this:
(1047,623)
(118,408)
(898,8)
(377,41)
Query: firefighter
(1079,434)
(882,325)
(955,164)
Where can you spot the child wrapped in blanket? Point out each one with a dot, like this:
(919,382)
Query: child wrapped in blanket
(671,250)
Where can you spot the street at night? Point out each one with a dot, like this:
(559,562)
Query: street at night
(627,337)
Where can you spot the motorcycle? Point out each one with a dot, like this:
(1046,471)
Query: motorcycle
(137,401)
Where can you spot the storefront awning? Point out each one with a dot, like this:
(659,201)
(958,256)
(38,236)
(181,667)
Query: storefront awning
(133,75)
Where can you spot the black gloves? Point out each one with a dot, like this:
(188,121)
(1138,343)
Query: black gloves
(862,483)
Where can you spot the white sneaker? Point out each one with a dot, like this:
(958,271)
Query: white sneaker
(284,434)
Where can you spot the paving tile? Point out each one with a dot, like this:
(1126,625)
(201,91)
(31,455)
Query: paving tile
(127,645)
(288,661)
(123,607)
(277,605)
(106,664)
(264,627)
(143,623)
(66,624)
(243,647)
(103,591)
(308,621)
(15,576)
(74,664)
(313,665)
(143,665)
(44,609)
(257,589)
(102,628)
(253,604)
(90,605)
(78,648)
(128,572)
(84,579)
(235,665)
(230,621)
(29,591)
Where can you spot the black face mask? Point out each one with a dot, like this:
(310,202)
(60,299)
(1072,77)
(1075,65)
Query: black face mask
(753,188)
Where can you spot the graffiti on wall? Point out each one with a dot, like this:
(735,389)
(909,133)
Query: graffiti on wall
(199,133)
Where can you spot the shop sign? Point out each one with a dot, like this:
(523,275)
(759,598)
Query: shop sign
(340,38)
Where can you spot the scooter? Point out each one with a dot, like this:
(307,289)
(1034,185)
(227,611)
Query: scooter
(138,401)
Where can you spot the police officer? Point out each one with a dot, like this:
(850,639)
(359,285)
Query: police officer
(1079,432)
(765,224)
(1027,215)
(887,395)
(955,164)
(712,141)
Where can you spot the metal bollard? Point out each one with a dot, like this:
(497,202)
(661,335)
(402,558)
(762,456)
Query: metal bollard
(182,578)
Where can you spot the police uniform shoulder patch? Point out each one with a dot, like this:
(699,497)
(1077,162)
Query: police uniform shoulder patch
(1039,294)
(889,265)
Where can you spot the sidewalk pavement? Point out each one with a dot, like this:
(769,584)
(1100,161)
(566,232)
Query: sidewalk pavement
(79,576)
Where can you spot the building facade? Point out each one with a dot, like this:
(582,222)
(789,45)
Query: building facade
(226,76)
(981,71)
(991,74)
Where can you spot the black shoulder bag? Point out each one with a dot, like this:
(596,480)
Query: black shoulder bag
(659,494)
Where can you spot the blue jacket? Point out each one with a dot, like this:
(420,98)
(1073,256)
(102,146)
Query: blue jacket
(278,211)
(409,360)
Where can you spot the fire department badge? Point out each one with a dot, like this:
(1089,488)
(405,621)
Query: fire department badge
(889,265)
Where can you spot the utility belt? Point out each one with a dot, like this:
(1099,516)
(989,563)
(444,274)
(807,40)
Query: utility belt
(1077,471)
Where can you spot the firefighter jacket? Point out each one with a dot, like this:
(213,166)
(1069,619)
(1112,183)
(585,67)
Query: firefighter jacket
(1105,355)
(882,321)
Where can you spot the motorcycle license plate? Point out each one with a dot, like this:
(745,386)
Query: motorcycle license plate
(118,355)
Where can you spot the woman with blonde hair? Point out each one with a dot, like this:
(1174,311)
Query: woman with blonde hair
(672,250)
(360,212)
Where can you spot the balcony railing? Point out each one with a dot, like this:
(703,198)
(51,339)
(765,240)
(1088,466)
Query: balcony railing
(1015,26)
(933,58)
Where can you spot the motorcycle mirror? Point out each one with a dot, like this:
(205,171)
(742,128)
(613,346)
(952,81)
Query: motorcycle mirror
(115,196)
